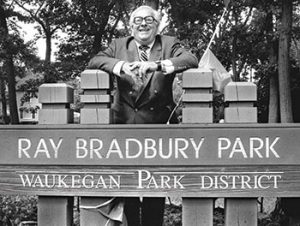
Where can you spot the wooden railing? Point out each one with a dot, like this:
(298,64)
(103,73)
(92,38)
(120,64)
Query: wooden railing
(198,160)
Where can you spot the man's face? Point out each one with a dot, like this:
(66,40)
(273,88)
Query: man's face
(145,32)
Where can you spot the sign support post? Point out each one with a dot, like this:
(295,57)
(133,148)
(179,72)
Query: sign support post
(97,102)
(240,96)
(55,99)
(197,101)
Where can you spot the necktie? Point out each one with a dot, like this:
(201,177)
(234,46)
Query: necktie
(143,57)
(143,53)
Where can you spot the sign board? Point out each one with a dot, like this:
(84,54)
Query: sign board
(163,160)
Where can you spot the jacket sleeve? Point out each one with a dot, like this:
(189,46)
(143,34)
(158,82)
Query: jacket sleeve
(181,58)
(105,60)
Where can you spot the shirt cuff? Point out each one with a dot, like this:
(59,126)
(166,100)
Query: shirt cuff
(167,66)
(117,68)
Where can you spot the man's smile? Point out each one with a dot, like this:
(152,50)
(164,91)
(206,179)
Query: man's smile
(144,29)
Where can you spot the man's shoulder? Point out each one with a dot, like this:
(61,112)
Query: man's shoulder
(123,39)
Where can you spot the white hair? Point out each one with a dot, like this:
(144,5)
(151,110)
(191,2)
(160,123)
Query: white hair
(155,14)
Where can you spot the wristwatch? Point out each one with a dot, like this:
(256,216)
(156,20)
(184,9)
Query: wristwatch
(159,67)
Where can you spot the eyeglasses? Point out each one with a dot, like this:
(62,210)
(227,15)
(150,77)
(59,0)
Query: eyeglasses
(148,19)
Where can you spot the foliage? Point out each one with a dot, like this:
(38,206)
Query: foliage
(75,83)
(14,209)
(89,26)
(30,89)
(11,49)
(241,44)
(264,72)
(31,109)
(50,17)
(173,215)
(193,22)
(218,106)
(12,44)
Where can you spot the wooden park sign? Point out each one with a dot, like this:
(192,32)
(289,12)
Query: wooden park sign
(204,160)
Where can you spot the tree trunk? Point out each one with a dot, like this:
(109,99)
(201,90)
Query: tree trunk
(233,52)
(100,29)
(48,47)
(9,66)
(233,60)
(273,100)
(3,101)
(289,205)
(13,107)
(286,115)
(273,116)
(48,75)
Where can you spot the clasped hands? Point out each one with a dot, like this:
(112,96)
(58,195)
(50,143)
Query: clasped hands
(137,69)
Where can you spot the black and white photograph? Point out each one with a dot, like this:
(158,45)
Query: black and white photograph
(149,113)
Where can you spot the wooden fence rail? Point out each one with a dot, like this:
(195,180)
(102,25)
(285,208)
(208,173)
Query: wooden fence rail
(198,160)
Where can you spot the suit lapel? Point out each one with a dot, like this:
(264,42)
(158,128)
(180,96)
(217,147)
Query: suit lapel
(156,50)
(132,51)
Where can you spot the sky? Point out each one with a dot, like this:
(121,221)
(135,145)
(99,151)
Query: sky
(28,32)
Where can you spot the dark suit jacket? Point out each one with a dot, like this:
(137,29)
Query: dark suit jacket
(154,102)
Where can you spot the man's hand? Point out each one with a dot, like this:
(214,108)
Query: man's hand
(146,66)
(138,69)
(130,69)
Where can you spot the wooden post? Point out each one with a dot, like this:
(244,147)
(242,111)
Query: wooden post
(55,99)
(197,211)
(241,212)
(240,98)
(197,100)
(197,97)
(97,101)
(55,211)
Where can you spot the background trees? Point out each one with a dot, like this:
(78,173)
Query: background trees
(250,42)
(14,54)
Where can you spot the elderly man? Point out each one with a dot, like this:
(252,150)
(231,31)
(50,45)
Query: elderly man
(144,66)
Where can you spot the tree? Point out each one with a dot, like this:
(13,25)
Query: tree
(273,116)
(265,19)
(193,22)
(15,55)
(90,26)
(7,56)
(284,61)
(49,15)
(286,116)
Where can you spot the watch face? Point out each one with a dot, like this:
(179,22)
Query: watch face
(159,66)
